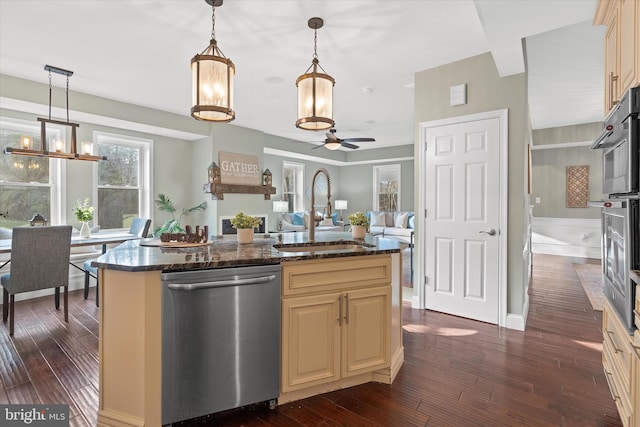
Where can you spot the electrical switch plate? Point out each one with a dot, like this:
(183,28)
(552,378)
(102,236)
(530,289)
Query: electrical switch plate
(537,199)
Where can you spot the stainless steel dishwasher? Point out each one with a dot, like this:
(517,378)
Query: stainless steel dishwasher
(220,340)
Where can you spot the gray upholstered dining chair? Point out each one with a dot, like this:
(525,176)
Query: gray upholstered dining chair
(139,227)
(39,260)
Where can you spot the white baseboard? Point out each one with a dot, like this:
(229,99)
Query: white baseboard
(566,250)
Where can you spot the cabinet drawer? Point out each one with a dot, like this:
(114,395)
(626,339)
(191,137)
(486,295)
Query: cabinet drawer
(618,344)
(621,399)
(335,274)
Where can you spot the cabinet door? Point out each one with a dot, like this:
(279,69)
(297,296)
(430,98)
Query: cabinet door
(611,68)
(628,52)
(366,330)
(635,395)
(310,341)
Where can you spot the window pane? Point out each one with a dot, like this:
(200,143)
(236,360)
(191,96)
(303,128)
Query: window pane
(117,207)
(16,168)
(20,203)
(122,167)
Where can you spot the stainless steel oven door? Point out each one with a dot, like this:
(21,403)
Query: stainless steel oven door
(619,141)
(619,254)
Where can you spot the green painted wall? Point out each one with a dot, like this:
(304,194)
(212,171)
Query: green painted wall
(486,91)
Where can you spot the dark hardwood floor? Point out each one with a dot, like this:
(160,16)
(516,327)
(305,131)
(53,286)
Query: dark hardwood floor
(457,372)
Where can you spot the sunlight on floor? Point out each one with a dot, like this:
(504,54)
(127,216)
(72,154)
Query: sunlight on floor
(590,345)
(445,332)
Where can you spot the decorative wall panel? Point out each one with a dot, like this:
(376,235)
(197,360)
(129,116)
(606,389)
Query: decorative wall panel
(577,186)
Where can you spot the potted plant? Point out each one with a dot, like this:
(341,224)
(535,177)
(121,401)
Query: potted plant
(245,224)
(84,214)
(172,225)
(359,224)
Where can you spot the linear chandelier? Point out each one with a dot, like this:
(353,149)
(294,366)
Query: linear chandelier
(315,91)
(212,76)
(55,148)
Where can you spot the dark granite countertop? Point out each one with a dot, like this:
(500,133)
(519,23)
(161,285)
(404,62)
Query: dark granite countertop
(226,252)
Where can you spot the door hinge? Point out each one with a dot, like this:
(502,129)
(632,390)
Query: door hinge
(425,213)
(426,280)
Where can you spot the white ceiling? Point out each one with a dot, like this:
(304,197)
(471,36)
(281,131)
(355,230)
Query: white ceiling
(139,51)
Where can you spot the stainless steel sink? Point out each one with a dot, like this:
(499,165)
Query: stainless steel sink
(322,246)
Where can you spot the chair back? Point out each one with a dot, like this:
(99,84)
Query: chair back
(39,258)
(140,227)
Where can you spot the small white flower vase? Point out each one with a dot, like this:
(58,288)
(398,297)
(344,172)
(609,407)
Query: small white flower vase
(85,231)
(245,235)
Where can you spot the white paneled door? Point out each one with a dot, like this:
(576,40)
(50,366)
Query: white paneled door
(462,200)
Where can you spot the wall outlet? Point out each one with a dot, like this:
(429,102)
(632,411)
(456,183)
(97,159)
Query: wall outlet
(537,199)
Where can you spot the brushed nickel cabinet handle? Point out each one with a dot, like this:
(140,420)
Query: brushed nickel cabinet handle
(612,387)
(613,343)
(612,79)
(340,310)
(346,302)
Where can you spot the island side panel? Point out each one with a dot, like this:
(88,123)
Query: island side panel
(130,348)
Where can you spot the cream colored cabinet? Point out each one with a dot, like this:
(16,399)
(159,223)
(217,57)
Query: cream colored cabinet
(336,323)
(635,393)
(336,335)
(622,61)
(620,364)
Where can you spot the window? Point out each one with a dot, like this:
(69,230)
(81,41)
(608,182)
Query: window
(292,185)
(386,188)
(28,185)
(124,181)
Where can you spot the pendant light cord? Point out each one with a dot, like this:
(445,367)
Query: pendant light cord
(315,44)
(213,22)
(67,94)
(49,95)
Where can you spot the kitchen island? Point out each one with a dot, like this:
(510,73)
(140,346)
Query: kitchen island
(365,279)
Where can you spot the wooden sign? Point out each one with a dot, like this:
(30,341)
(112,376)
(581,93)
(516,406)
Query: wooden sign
(239,169)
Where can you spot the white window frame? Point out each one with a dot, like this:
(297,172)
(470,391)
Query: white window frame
(298,195)
(145,183)
(378,171)
(57,192)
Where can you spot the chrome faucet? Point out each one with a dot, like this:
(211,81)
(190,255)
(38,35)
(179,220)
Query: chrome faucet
(312,212)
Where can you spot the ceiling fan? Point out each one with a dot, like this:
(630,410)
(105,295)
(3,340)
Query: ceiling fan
(333,142)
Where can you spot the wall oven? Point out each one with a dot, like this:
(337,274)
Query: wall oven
(620,253)
(619,141)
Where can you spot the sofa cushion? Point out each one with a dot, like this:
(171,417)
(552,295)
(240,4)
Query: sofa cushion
(298,218)
(401,219)
(327,222)
(378,219)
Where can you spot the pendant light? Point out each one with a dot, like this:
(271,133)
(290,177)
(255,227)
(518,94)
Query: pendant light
(315,91)
(56,149)
(212,80)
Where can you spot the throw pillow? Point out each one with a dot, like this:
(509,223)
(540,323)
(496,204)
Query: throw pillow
(334,218)
(298,218)
(401,220)
(378,219)
(410,221)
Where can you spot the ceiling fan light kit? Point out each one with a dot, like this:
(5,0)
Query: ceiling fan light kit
(315,91)
(212,76)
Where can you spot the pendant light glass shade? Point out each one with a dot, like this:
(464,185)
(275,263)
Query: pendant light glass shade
(212,76)
(315,92)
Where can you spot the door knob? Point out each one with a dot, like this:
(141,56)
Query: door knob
(491,232)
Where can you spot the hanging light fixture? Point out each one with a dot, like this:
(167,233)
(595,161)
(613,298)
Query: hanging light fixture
(212,80)
(55,148)
(315,91)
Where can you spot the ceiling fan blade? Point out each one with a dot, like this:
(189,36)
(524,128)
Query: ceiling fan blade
(347,145)
(359,139)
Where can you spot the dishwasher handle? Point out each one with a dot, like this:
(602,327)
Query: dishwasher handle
(219,283)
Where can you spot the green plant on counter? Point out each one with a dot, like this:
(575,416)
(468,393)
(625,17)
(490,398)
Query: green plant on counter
(83,210)
(172,225)
(242,221)
(358,218)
